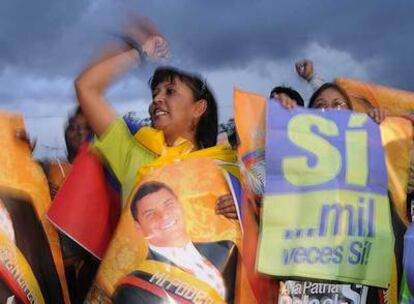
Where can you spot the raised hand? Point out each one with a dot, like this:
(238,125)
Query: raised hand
(156,47)
(148,37)
(304,68)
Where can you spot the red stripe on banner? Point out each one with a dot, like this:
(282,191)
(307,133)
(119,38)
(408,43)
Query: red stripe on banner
(12,284)
(265,288)
(84,208)
(152,288)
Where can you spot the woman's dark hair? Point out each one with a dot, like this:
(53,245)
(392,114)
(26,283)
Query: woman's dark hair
(207,128)
(293,94)
(330,85)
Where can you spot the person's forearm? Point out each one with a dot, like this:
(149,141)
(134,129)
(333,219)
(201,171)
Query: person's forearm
(316,81)
(92,83)
(107,68)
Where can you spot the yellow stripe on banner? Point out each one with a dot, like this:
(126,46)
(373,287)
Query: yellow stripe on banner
(391,295)
(20,270)
(397,139)
(181,278)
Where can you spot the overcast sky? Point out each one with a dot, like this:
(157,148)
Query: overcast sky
(248,44)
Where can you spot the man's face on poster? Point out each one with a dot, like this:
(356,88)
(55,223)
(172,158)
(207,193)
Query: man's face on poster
(161,219)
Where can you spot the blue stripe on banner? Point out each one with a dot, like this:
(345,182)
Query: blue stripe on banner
(236,188)
(111,179)
(134,123)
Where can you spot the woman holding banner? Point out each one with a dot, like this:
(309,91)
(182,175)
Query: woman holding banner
(332,96)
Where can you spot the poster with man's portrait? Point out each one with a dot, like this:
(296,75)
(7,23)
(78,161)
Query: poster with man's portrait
(27,268)
(170,244)
(31,264)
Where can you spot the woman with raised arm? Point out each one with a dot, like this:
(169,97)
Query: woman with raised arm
(329,95)
(183,113)
(183,107)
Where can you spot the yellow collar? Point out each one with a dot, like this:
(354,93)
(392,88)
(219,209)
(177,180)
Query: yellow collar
(182,149)
(154,140)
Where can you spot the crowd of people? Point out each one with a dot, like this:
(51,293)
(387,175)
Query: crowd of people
(183,111)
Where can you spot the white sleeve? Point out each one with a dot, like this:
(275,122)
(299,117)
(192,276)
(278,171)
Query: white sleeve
(316,81)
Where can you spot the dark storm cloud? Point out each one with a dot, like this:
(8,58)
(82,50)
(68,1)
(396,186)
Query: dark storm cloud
(44,44)
(31,31)
(232,33)
(52,39)
(218,34)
